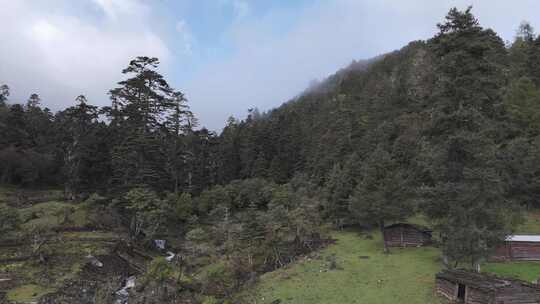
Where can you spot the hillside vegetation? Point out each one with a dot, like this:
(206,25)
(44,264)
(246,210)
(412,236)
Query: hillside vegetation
(443,131)
(355,270)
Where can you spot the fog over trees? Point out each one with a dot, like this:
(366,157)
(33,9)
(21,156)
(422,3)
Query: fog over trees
(447,128)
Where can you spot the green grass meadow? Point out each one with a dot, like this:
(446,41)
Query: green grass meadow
(353,270)
(364,274)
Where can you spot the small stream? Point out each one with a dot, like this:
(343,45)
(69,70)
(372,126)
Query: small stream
(122,294)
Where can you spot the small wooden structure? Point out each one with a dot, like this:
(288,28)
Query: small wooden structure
(406,235)
(518,248)
(469,287)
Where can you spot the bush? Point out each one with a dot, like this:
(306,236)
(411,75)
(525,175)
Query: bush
(210,300)
(159,270)
(103,218)
(180,205)
(218,279)
(9,219)
(209,199)
(95,199)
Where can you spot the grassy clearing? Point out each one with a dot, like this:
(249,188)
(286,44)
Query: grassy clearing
(90,234)
(528,271)
(66,260)
(43,215)
(53,214)
(404,276)
(66,257)
(4,194)
(27,293)
(531,224)
(14,195)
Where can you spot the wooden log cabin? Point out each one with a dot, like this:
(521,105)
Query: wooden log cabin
(468,287)
(518,248)
(406,235)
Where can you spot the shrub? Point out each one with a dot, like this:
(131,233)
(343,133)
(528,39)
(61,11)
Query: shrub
(218,279)
(9,219)
(210,300)
(159,270)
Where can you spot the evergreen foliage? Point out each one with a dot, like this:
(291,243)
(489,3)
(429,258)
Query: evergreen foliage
(448,127)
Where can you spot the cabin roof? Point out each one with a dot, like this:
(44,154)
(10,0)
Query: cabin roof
(523,238)
(484,281)
(416,227)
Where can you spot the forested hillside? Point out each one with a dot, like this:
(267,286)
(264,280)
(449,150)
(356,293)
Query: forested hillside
(448,128)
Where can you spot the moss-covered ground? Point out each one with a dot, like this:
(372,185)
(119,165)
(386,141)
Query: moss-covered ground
(364,274)
(531,225)
(66,251)
(529,271)
(27,293)
(353,270)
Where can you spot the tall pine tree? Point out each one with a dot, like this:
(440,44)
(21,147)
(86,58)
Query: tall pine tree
(464,194)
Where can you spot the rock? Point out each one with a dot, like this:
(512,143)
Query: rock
(160,244)
(170,256)
(130,282)
(123,294)
(6,283)
(94,261)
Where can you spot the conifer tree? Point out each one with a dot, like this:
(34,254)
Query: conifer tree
(463,194)
(252,234)
(179,124)
(78,126)
(4,94)
(337,190)
(140,107)
(380,196)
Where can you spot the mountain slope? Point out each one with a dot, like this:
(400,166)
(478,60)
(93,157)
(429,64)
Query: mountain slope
(323,125)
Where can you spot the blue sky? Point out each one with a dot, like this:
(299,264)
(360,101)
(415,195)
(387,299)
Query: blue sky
(201,32)
(226,55)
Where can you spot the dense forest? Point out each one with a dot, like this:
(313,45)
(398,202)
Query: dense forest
(448,128)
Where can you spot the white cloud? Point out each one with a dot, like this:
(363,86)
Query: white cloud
(49,49)
(186,36)
(269,68)
(114,9)
(44,31)
(240,8)
(60,56)
(181,26)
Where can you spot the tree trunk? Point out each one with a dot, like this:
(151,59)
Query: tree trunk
(475,263)
(381,227)
(446,263)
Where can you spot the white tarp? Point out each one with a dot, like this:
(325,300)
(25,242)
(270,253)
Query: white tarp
(160,244)
(523,238)
(170,256)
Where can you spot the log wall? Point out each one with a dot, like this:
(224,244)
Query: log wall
(472,295)
(446,289)
(475,296)
(523,295)
(517,251)
(404,237)
(501,253)
(525,251)
(485,288)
